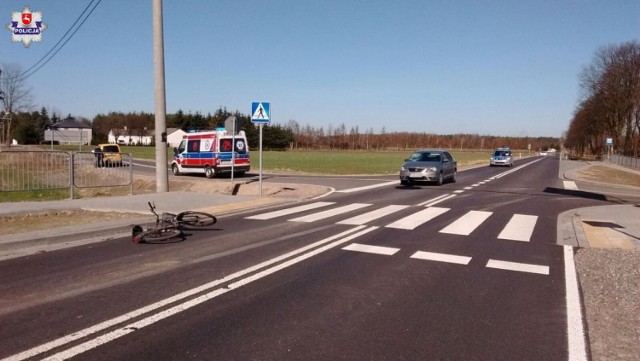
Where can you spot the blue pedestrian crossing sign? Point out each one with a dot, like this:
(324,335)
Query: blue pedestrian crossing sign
(260,112)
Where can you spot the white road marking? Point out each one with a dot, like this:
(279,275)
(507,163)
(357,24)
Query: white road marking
(330,213)
(518,267)
(351,190)
(287,211)
(416,219)
(441,257)
(311,250)
(440,200)
(519,228)
(575,330)
(387,251)
(459,191)
(570,185)
(433,200)
(468,188)
(373,215)
(467,223)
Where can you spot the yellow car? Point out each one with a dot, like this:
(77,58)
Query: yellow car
(108,155)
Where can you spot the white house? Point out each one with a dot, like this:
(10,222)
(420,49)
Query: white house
(174,136)
(68,131)
(143,137)
(130,136)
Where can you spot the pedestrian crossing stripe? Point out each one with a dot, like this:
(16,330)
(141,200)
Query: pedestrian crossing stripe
(466,224)
(520,227)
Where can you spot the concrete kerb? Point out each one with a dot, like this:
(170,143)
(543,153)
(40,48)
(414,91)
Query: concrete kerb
(21,244)
(621,222)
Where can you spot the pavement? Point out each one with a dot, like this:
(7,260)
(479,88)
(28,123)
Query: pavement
(611,226)
(615,225)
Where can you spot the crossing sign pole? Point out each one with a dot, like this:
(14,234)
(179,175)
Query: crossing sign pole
(260,114)
(260,174)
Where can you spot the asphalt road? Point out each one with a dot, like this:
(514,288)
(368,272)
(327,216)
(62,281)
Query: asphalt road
(466,271)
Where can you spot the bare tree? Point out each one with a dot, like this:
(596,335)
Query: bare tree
(15,95)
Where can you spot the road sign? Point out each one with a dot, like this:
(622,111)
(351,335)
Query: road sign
(260,112)
(609,141)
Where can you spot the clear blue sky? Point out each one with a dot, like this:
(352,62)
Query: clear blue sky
(487,67)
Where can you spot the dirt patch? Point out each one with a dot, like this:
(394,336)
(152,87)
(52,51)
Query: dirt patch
(38,221)
(599,173)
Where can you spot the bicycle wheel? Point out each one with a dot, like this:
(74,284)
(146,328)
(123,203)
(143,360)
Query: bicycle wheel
(160,235)
(196,219)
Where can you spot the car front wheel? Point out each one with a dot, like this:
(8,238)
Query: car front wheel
(175,170)
(440,179)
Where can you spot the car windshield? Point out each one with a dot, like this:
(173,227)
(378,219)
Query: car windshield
(111,149)
(501,153)
(425,157)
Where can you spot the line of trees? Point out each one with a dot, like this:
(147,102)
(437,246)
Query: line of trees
(338,138)
(30,128)
(610,104)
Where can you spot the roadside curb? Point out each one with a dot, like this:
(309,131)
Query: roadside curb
(23,244)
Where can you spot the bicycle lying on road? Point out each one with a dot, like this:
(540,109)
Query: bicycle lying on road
(169,226)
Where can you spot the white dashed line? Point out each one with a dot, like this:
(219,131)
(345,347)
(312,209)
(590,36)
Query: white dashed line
(418,218)
(330,213)
(518,267)
(373,215)
(292,210)
(432,200)
(441,257)
(357,247)
(440,200)
(351,190)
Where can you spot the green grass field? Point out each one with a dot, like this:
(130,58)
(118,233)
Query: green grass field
(309,162)
(351,162)
(320,162)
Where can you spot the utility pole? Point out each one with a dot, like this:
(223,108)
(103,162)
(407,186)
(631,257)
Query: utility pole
(162,176)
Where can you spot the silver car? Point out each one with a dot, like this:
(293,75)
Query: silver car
(436,166)
(501,156)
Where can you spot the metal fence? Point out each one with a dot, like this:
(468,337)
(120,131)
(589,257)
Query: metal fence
(50,170)
(627,162)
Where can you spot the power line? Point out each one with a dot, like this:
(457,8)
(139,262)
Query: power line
(29,72)
(59,41)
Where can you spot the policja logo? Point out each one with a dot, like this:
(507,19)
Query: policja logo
(26,26)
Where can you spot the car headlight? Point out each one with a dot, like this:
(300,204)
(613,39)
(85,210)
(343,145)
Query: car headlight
(403,169)
(431,169)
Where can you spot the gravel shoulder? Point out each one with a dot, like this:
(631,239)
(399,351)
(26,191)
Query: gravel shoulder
(610,284)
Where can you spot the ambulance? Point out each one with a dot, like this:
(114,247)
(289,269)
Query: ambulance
(212,153)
